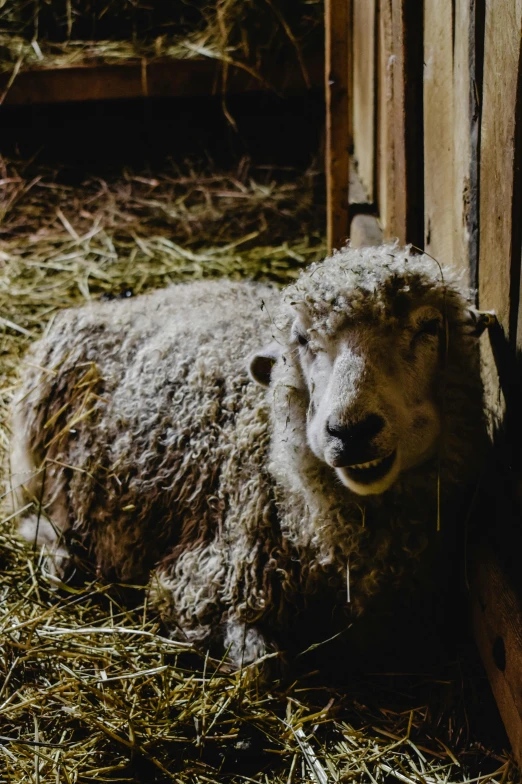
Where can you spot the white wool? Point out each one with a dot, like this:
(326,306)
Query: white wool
(183,463)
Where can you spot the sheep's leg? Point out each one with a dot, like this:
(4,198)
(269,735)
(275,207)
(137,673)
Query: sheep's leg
(38,530)
(246,645)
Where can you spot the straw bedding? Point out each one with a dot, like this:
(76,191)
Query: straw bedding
(250,33)
(90,688)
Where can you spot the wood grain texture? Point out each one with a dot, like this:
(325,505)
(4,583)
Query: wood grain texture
(135,79)
(439,207)
(464,187)
(499,258)
(364,90)
(497,622)
(337,80)
(400,123)
(385,174)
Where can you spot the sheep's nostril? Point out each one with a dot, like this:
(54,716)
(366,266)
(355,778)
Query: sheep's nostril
(363,430)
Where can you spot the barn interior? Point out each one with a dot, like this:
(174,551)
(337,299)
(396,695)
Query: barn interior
(125,167)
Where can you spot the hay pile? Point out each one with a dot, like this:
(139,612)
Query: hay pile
(251,33)
(92,690)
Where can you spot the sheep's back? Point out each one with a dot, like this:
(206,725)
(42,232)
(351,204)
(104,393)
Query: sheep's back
(147,420)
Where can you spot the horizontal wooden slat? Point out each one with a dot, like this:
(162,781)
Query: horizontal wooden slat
(159,78)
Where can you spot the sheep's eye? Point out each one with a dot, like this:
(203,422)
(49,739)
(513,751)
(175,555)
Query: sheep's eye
(426,330)
(430,327)
(302,339)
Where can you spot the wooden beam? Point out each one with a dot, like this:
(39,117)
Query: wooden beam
(159,78)
(337,81)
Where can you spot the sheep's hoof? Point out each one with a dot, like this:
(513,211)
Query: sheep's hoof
(56,566)
(247,648)
(244,644)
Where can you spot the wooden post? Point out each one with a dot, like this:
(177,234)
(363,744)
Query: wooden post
(337,90)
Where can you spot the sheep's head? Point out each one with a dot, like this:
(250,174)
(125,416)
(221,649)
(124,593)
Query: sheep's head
(367,341)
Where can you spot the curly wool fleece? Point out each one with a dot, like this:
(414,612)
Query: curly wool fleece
(183,462)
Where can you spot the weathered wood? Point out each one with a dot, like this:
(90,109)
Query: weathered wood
(364,90)
(400,139)
(464,187)
(477,12)
(385,170)
(337,44)
(500,185)
(497,621)
(158,78)
(439,207)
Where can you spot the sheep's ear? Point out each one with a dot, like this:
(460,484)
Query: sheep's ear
(480,320)
(262,362)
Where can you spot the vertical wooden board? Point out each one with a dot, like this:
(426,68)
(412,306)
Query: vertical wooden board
(364,92)
(499,259)
(438,129)
(401,138)
(337,84)
(465,190)
(385,143)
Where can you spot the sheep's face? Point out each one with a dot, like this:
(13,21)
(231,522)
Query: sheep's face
(373,396)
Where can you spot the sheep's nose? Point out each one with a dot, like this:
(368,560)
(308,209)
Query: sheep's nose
(360,432)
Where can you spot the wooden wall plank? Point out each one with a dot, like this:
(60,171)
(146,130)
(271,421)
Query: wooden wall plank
(476,17)
(364,90)
(439,208)
(499,257)
(452,84)
(385,174)
(464,187)
(337,78)
(400,193)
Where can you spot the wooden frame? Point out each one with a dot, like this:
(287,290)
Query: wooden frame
(157,78)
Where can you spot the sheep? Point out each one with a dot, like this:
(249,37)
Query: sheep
(264,453)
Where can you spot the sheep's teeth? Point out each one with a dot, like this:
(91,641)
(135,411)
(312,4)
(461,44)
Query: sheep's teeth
(369,464)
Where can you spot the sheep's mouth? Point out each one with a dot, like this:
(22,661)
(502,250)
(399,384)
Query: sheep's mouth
(373,471)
